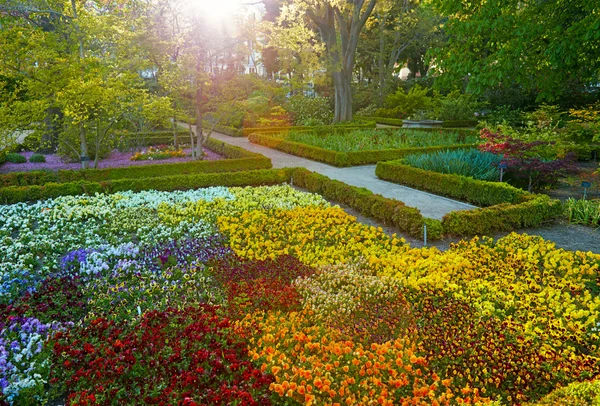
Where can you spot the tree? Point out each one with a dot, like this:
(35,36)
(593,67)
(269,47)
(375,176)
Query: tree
(524,159)
(544,46)
(339,24)
(76,67)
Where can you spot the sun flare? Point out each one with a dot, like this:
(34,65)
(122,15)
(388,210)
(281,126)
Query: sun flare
(216,10)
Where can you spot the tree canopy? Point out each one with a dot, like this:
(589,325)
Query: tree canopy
(546,46)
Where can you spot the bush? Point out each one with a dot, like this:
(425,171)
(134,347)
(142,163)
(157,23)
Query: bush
(383,120)
(466,162)
(15,194)
(456,106)
(340,159)
(389,211)
(2,156)
(402,105)
(455,186)
(535,211)
(326,129)
(459,123)
(15,158)
(586,212)
(39,158)
(304,109)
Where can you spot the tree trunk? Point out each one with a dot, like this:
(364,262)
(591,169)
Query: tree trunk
(343,96)
(50,136)
(83,156)
(197,153)
(175,141)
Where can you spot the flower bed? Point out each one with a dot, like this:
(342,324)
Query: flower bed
(268,295)
(341,159)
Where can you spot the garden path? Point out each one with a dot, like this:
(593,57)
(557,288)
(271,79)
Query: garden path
(430,205)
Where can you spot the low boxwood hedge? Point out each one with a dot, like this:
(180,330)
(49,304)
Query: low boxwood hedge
(535,211)
(340,159)
(231,131)
(459,123)
(240,160)
(318,128)
(479,192)
(389,211)
(508,208)
(16,194)
(384,120)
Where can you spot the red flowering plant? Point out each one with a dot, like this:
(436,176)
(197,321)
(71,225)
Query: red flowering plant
(56,299)
(260,285)
(526,159)
(174,357)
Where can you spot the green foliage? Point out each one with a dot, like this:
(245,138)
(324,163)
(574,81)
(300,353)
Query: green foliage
(466,162)
(403,105)
(2,156)
(360,140)
(533,212)
(389,211)
(310,110)
(540,46)
(455,186)
(15,158)
(15,194)
(586,212)
(383,120)
(575,394)
(37,158)
(325,129)
(459,123)
(240,160)
(456,106)
(336,158)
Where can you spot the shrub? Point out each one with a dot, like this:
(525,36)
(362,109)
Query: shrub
(455,186)
(502,217)
(465,162)
(304,109)
(586,212)
(37,158)
(2,156)
(15,158)
(402,105)
(456,106)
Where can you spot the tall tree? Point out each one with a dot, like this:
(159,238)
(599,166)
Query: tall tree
(339,23)
(539,45)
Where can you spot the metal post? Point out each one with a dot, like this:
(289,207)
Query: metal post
(425,235)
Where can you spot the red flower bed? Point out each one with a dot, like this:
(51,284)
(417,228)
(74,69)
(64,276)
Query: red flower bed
(185,357)
(265,285)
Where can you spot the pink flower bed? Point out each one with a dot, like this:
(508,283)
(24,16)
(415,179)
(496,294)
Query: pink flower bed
(116,159)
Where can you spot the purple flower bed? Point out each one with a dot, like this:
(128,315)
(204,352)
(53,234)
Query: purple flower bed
(116,159)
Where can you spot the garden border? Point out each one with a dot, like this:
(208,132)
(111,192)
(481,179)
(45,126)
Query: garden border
(265,130)
(343,159)
(239,159)
(508,208)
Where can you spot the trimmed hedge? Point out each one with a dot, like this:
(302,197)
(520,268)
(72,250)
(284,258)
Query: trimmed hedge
(16,194)
(325,128)
(508,208)
(341,159)
(459,123)
(242,161)
(389,211)
(231,131)
(479,192)
(534,212)
(384,120)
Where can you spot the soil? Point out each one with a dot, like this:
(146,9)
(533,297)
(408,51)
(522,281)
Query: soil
(114,160)
(570,186)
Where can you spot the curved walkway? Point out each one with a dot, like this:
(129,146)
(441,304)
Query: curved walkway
(430,205)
